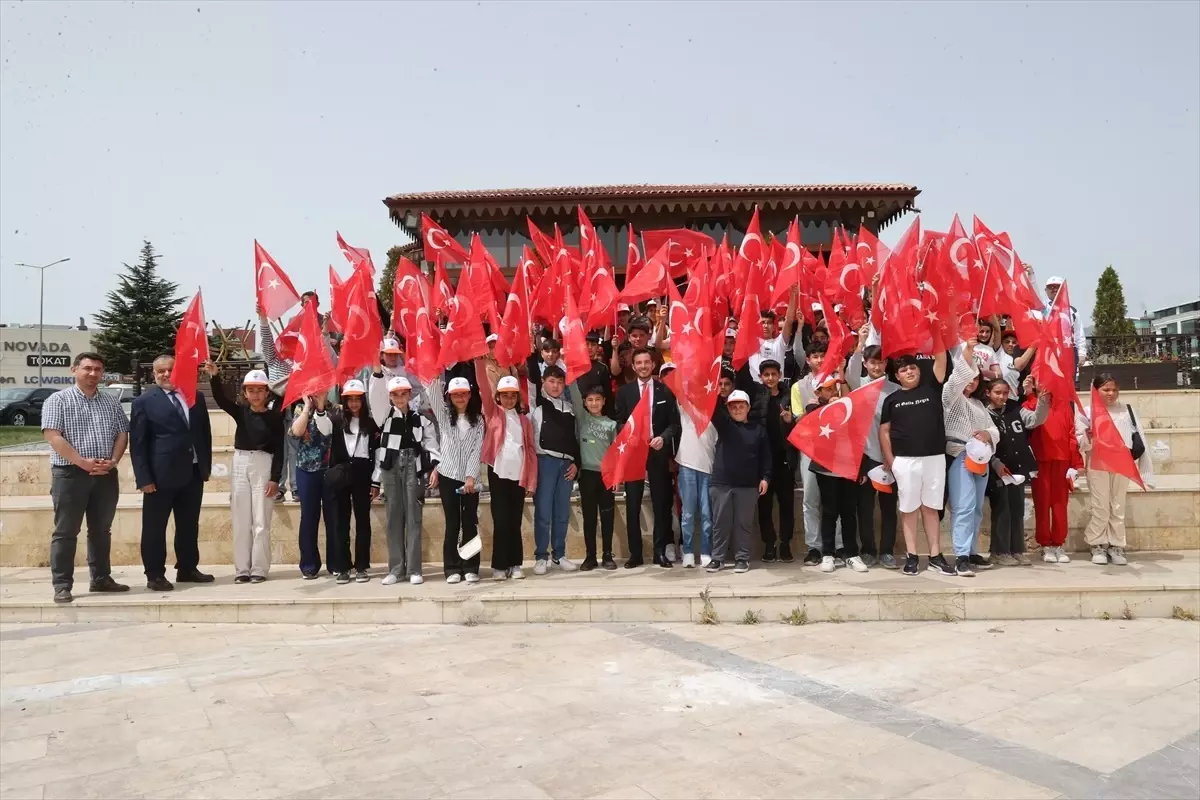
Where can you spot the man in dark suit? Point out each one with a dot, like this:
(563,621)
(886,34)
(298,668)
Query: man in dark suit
(171,449)
(665,430)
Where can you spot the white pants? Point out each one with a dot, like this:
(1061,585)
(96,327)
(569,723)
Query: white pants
(251,510)
(1106,501)
(920,481)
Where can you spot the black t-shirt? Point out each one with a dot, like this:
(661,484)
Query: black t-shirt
(918,422)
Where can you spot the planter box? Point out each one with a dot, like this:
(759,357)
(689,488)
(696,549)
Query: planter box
(1149,375)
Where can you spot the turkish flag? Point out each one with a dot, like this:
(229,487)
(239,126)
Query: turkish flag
(409,293)
(788,277)
(870,253)
(903,326)
(357,255)
(364,331)
(696,356)
(339,292)
(749,330)
(997,244)
(1026,317)
(440,244)
(1109,453)
(443,290)
(475,282)
(651,280)
(425,345)
(996,296)
(684,247)
(463,338)
(191,349)
(273,288)
(285,342)
(601,299)
(633,258)
(312,371)
(626,457)
(549,299)
(835,434)
(844,280)
(699,296)
(944,305)
(575,352)
(839,336)
(543,245)
(514,345)
(1054,362)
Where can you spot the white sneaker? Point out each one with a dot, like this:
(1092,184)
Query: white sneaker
(827,564)
(671,556)
(1049,555)
(566,565)
(415,580)
(838,562)
(856,563)
(390,580)
(705,560)
(516,574)
(539,568)
(472,577)
(689,561)
(1117,556)
(499,574)
(455,578)
(1099,555)
(1063,558)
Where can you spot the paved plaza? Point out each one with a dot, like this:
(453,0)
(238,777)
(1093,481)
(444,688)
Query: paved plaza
(1034,709)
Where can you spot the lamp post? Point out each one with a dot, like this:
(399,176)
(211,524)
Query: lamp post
(41,307)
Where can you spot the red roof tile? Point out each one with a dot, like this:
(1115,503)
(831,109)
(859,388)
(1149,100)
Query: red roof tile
(632,191)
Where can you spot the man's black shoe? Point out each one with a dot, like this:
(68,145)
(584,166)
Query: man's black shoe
(588,564)
(608,562)
(242,579)
(159,585)
(107,584)
(785,553)
(813,558)
(768,555)
(661,561)
(633,563)
(192,576)
(63,596)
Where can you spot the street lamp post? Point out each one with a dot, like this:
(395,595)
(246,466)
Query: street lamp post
(41,307)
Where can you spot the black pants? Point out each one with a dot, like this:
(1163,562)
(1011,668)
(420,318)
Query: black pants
(462,512)
(782,489)
(508,504)
(78,496)
(597,501)
(1008,518)
(157,507)
(355,497)
(839,501)
(658,471)
(866,520)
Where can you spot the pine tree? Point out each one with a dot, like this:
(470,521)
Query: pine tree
(1110,315)
(142,315)
(387,279)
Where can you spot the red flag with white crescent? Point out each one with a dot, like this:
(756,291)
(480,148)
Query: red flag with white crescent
(844,281)
(543,245)
(835,435)
(514,345)
(839,338)
(650,281)
(339,291)
(443,290)
(364,331)
(474,281)
(601,299)
(312,370)
(273,288)
(1054,361)
(357,255)
(409,293)
(633,257)
(870,254)
(438,243)
(686,247)
(788,276)
(902,326)
(191,349)
(1109,452)
(625,459)
(425,345)
(463,337)
(698,364)
(285,342)
(575,351)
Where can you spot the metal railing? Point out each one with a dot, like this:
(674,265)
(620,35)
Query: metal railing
(1158,357)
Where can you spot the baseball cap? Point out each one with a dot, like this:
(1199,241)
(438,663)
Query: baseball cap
(508,384)
(255,377)
(458,385)
(665,368)
(979,456)
(398,383)
(492,338)
(1054,280)
(882,480)
(830,380)
(731,333)
(738,396)
(353,387)
(817,307)
(622,307)
(391,345)
(651,302)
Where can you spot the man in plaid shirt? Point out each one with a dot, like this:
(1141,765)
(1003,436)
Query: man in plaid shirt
(88,432)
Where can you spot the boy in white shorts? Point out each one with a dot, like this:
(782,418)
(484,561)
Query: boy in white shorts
(912,436)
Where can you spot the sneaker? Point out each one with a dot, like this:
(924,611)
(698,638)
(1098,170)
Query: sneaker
(1022,560)
(741,565)
(258,578)
(390,580)
(565,564)
(1050,555)
(1003,560)
(828,564)
(588,564)
(716,565)
(1117,556)
(63,596)
(979,562)
(705,560)
(500,574)
(912,564)
(242,579)
(1063,558)
(939,565)
(813,558)
(516,574)
(888,561)
(1099,556)
(671,553)
(768,555)
(361,576)
(857,564)
(295,497)
(689,561)
(280,497)
(869,559)
(472,577)
(415,580)
(343,577)
(838,561)
(785,553)
(962,566)
(607,562)
(540,566)
(454,578)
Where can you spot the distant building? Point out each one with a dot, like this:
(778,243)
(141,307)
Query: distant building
(20,353)
(1174,319)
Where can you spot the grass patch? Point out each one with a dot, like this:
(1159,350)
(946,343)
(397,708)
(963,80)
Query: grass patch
(752,617)
(1181,613)
(708,614)
(1126,612)
(24,434)
(1105,615)
(798,616)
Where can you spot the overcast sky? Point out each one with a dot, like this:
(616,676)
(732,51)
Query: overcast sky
(199,126)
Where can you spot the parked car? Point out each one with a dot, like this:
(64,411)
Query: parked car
(22,406)
(124,394)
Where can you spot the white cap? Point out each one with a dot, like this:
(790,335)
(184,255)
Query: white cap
(731,333)
(817,307)
(881,479)
(353,387)
(1054,280)
(398,383)
(458,385)
(390,345)
(651,302)
(667,365)
(738,396)
(492,338)
(255,377)
(979,455)
(508,384)
(838,308)
(622,307)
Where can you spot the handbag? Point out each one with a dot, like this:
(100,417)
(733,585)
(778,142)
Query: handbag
(1137,445)
(338,476)
(472,548)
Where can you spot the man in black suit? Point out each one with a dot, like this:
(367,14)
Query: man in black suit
(665,430)
(171,448)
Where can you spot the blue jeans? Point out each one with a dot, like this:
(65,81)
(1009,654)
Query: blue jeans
(694,497)
(551,507)
(316,500)
(966,506)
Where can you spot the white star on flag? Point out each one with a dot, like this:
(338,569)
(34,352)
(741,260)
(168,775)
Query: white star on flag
(420,340)
(932,317)
(272,284)
(977,264)
(686,329)
(869,260)
(826,431)
(621,447)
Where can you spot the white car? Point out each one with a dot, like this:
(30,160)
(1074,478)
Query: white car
(123,392)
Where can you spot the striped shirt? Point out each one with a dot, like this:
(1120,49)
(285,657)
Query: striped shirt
(91,426)
(461,444)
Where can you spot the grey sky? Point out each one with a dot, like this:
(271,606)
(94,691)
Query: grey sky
(200,126)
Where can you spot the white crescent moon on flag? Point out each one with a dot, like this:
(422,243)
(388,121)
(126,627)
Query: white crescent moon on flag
(850,265)
(698,321)
(928,287)
(845,403)
(301,351)
(959,262)
(404,280)
(750,237)
(1052,362)
(793,252)
(357,313)
(429,238)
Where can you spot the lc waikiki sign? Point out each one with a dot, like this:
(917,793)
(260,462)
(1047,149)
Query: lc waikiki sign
(21,356)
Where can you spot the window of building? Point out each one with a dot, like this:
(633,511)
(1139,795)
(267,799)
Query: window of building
(495,239)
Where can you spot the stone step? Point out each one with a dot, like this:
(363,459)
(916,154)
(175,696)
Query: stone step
(1165,518)
(1153,585)
(1175,451)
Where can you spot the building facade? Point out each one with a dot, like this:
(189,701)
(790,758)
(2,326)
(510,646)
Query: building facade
(1175,319)
(20,354)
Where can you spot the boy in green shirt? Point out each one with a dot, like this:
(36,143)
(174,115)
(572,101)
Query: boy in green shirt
(596,432)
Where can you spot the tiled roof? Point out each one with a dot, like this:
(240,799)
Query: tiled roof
(650,191)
